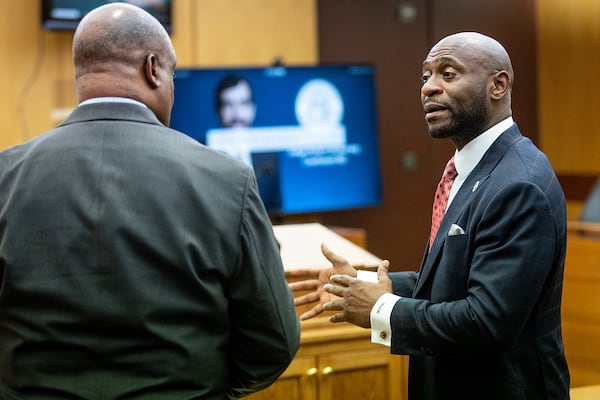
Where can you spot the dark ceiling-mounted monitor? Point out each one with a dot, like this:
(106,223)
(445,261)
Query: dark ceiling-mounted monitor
(66,14)
(310,132)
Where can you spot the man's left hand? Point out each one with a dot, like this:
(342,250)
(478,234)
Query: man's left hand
(357,297)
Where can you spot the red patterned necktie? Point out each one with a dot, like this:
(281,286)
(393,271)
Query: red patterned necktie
(441,198)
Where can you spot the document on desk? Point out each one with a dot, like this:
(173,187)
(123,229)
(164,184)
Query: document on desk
(301,248)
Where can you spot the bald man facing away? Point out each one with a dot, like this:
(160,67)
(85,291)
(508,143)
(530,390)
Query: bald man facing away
(135,263)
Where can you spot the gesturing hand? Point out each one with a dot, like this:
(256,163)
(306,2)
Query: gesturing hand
(357,297)
(339,266)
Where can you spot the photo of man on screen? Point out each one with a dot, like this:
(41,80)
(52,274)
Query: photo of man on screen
(235,102)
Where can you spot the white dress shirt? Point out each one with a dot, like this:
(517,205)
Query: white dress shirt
(465,161)
(97,100)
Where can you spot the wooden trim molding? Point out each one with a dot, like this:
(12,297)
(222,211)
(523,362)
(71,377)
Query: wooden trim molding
(577,187)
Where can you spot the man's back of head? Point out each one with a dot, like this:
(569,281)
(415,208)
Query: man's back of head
(135,262)
(120,50)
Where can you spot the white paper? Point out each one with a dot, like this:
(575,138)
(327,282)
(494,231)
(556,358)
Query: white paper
(301,247)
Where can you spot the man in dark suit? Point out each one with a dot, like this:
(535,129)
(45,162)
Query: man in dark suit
(135,263)
(481,320)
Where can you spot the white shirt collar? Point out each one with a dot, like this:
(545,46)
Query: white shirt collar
(469,156)
(97,100)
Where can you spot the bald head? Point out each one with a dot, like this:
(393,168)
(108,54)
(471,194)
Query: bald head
(121,50)
(467,85)
(488,52)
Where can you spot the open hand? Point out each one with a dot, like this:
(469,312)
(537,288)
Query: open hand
(340,266)
(357,297)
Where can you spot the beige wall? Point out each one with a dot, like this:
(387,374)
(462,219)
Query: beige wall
(38,77)
(568,84)
(37,72)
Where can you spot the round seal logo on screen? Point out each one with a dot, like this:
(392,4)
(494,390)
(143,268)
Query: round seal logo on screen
(318,102)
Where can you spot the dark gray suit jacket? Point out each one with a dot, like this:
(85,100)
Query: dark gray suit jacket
(136,263)
(482,318)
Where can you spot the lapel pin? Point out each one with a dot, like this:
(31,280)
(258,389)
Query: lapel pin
(475,186)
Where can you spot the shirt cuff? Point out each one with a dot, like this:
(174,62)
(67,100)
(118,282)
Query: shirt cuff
(381,330)
(367,276)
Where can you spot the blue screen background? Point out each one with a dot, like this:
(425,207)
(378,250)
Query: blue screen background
(351,184)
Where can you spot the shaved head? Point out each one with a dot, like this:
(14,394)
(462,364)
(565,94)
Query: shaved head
(467,85)
(484,49)
(120,50)
(118,35)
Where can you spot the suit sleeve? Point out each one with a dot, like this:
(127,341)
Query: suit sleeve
(403,283)
(265,327)
(507,259)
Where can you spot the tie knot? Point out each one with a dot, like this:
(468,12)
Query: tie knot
(450,170)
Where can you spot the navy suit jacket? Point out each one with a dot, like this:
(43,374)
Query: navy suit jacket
(482,319)
(136,263)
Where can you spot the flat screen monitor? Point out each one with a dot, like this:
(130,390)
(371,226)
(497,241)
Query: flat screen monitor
(66,14)
(309,132)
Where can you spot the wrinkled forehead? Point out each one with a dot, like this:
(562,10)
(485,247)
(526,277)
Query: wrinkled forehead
(451,50)
(458,53)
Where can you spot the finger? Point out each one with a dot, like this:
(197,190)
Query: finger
(309,284)
(334,305)
(313,312)
(333,289)
(306,299)
(339,317)
(345,280)
(383,270)
(301,272)
(331,256)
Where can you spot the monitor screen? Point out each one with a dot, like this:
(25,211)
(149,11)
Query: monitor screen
(66,14)
(310,133)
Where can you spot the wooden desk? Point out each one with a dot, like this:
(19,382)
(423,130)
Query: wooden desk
(581,307)
(335,361)
(338,361)
(300,246)
(586,393)
(588,229)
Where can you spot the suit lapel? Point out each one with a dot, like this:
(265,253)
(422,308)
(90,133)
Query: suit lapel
(474,182)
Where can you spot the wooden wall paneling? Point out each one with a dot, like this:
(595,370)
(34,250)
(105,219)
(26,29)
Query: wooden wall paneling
(58,79)
(50,88)
(371,31)
(39,73)
(512,23)
(19,44)
(581,307)
(568,59)
(39,89)
(183,31)
(248,32)
(8,119)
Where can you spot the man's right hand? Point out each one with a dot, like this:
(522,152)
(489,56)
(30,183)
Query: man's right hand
(340,266)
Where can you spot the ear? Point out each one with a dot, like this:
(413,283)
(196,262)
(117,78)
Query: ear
(500,85)
(151,70)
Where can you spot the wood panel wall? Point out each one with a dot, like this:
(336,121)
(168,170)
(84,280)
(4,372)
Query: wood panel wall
(38,88)
(568,58)
(568,62)
(581,307)
(411,160)
(38,77)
